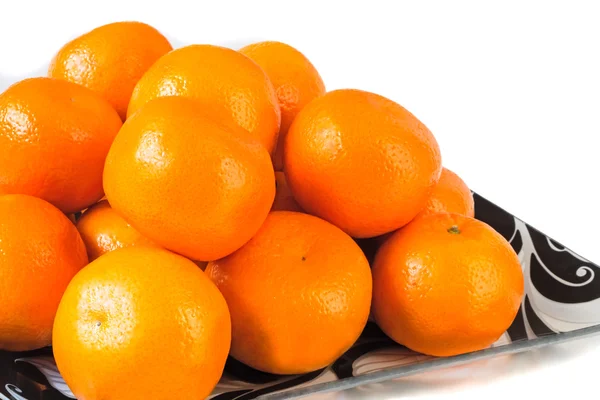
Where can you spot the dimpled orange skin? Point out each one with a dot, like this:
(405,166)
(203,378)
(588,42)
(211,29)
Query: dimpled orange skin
(54,137)
(188,183)
(299,294)
(40,252)
(146,324)
(284,200)
(103,230)
(361,162)
(451,195)
(111,59)
(225,81)
(297,82)
(446,284)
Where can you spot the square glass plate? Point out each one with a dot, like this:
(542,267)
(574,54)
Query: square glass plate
(561,303)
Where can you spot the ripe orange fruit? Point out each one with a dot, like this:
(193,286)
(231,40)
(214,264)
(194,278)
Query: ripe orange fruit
(54,137)
(451,195)
(446,284)
(146,323)
(284,200)
(295,79)
(187,182)
(40,251)
(361,162)
(223,80)
(103,230)
(299,294)
(110,60)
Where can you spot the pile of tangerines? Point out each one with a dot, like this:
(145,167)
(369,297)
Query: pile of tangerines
(161,210)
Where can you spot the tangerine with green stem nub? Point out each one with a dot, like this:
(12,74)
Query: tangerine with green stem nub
(446,284)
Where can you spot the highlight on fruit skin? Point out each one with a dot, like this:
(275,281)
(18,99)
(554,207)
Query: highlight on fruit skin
(54,138)
(225,82)
(299,294)
(295,79)
(361,161)
(146,324)
(103,230)
(110,59)
(40,252)
(446,284)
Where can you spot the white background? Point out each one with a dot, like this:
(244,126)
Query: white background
(511,90)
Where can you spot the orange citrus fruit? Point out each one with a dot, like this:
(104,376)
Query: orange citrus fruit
(446,284)
(111,59)
(40,252)
(103,230)
(299,294)
(146,324)
(361,162)
(297,82)
(284,200)
(54,137)
(224,81)
(451,195)
(188,183)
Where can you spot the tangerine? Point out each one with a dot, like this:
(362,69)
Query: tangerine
(446,284)
(40,252)
(299,294)
(361,162)
(224,81)
(111,59)
(187,182)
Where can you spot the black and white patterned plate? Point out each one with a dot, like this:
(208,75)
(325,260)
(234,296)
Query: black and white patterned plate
(561,303)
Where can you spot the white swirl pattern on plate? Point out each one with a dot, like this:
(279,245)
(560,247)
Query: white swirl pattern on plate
(47,366)
(13,391)
(574,315)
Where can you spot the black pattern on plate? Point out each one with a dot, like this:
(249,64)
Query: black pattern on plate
(559,275)
(491,214)
(517,242)
(295,381)
(243,372)
(535,323)
(517,329)
(371,339)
